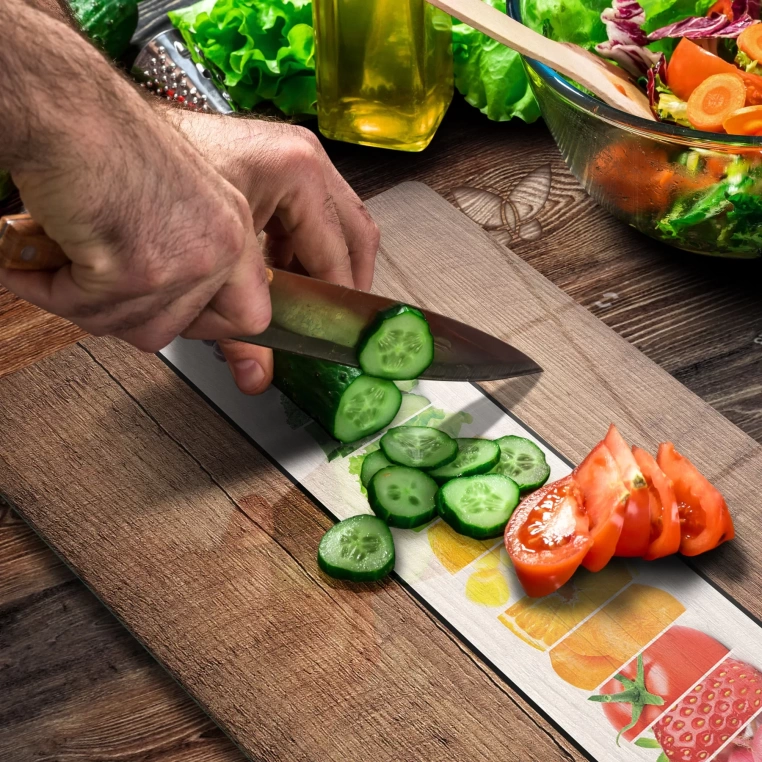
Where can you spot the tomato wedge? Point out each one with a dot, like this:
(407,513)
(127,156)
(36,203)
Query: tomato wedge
(705,521)
(605,499)
(547,537)
(636,531)
(665,517)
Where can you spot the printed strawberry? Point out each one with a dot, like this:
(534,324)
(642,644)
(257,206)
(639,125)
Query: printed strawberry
(712,711)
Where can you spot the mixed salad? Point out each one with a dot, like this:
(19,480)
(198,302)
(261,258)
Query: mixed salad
(709,77)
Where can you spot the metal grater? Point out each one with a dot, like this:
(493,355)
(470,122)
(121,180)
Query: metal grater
(165,66)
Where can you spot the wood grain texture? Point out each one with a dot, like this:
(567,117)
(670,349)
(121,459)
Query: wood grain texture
(208,553)
(28,334)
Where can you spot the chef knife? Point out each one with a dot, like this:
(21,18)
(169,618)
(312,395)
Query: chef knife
(312,317)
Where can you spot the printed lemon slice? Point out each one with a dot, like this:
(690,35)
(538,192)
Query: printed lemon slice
(487,585)
(611,637)
(453,550)
(543,621)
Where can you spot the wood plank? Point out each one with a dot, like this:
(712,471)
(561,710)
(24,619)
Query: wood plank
(27,334)
(212,540)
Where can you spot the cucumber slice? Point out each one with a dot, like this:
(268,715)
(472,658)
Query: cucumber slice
(478,506)
(346,403)
(475,456)
(372,463)
(418,447)
(523,461)
(397,345)
(403,497)
(360,549)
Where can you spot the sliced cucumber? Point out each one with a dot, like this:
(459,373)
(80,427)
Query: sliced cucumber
(372,463)
(397,345)
(475,456)
(346,403)
(360,549)
(523,461)
(418,447)
(478,506)
(403,497)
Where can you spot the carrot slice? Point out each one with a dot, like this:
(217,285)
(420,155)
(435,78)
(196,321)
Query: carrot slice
(665,514)
(725,7)
(750,41)
(605,498)
(691,64)
(745,121)
(714,100)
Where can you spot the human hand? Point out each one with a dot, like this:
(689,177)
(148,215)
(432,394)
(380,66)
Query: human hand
(313,222)
(160,242)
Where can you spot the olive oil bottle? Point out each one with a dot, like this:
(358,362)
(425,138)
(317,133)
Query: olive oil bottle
(384,71)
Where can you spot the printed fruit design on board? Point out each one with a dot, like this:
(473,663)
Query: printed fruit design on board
(716,708)
(455,551)
(487,584)
(693,696)
(541,622)
(600,646)
(673,663)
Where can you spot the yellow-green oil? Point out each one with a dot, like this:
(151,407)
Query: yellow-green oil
(384,71)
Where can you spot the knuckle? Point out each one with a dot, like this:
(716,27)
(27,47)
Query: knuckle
(298,154)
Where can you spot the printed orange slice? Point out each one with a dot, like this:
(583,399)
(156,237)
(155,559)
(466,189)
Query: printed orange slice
(612,636)
(543,621)
(453,550)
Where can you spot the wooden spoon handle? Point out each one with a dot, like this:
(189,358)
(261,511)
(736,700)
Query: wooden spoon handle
(25,246)
(609,83)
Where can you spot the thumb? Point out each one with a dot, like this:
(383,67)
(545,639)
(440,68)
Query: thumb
(251,366)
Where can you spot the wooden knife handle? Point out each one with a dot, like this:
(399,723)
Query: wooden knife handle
(24,245)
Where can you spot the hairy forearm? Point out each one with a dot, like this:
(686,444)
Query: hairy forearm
(58,9)
(57,93)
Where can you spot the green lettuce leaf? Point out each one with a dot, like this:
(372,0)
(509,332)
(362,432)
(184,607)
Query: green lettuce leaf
(579,21)
(261,50)
(491,76)
(727,212)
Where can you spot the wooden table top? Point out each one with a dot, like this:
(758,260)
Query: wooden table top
(75,685)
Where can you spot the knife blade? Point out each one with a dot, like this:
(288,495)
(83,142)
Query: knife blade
(314,318)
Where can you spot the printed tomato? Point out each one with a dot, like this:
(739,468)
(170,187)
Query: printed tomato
(547,537)
(663,509)
(636,530)
(705,521)
(650,684)
(605,500)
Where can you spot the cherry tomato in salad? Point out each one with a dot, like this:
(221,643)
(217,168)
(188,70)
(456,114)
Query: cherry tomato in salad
(605,499)
(548,536)
(725,7)
(636,530)
(705,521)
(670,666)
(663,509)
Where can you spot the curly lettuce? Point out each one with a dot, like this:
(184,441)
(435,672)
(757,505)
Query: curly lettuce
(261,50)
(490,76)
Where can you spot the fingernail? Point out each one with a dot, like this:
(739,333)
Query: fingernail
(249,375)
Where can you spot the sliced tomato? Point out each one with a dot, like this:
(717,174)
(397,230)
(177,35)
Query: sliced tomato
(665,517)
(636,530)
(605,499)
(705,521)
(548,536)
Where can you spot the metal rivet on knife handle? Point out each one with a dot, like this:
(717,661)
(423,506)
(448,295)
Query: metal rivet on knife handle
(25,246)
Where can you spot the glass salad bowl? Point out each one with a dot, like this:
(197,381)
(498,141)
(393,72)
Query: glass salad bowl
(693,190)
